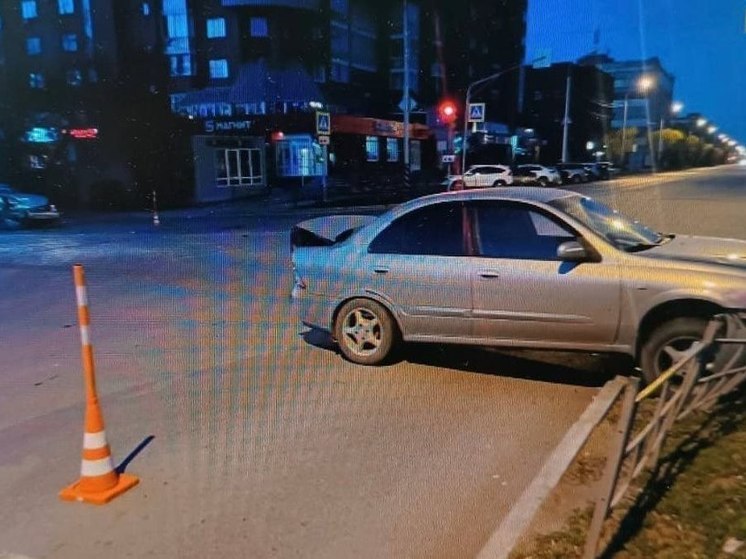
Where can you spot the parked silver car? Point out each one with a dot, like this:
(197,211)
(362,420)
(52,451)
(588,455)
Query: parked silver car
(514,267)
(19,209)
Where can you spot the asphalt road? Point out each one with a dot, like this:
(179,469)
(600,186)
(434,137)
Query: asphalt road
(260,440)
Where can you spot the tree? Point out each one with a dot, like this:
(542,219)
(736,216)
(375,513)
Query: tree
(614,139)
(672,155)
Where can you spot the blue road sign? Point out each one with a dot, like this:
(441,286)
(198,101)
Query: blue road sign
(323,123)
(476,112)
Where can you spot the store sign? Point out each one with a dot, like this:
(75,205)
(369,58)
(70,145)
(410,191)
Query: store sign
(384,127)
(447,158)
(228,125)
(83,133)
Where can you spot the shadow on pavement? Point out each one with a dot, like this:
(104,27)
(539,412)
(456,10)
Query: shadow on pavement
(575,368)
(122,467)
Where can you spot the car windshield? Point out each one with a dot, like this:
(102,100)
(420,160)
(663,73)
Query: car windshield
(621,231)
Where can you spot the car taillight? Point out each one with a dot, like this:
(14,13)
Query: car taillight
(52,208)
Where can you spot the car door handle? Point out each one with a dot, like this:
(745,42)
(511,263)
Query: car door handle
(489,274)
(381,270)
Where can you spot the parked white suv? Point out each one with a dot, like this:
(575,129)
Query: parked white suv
(480,176)
(545,175)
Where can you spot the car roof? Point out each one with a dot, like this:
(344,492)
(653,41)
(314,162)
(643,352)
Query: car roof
(511,193)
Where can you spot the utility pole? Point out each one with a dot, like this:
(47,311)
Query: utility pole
(405,96)
(566,121)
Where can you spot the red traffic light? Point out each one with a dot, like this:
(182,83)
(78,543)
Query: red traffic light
(447,111)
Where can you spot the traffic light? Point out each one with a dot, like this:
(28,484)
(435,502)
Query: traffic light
(447,111)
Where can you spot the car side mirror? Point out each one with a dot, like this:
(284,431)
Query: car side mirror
(572,251)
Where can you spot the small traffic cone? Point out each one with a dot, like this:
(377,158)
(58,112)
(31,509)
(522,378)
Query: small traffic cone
(99,482)
(156,219)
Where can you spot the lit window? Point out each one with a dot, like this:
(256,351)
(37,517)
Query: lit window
(36,80)
(28,9)
(70,42)
(215,27)
(33,45)
(392,149)
(177,26)
(74,78)
(371,148)
(219,68)
(145,9)
(238,167)
(259,27)
(66,6)
(181,65)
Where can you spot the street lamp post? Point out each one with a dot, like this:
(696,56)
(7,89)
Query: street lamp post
(676,108)
(642,85)
(466,108)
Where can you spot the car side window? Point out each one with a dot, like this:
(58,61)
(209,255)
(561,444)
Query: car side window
(435,230)
(506,230)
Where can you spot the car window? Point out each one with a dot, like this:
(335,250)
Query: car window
(432,230)
(515,231)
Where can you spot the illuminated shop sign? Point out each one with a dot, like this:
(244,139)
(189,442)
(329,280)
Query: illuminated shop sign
(41,135)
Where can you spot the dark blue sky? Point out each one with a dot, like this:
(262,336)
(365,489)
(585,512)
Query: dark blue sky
(701,42)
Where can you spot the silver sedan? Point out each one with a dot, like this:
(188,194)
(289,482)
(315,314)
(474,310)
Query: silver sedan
(515,267)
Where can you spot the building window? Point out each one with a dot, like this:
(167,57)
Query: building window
(28,9)
(181,65)
(36,80)
(340,71)
(219,68)
(177,26)
(259,27)
(215,27)
(392,149)
(145,9)
(66,6)
(238,167)
(371,148)
(70,42)
(74,78)
(33,46)
(319,74)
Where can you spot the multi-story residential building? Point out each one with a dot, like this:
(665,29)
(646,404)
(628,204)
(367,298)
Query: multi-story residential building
(590,109)
(642,88)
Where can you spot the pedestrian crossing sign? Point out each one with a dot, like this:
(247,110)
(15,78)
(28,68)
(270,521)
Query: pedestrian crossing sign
(323,123)
(476,112)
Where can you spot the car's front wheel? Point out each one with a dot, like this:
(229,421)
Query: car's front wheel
(499,183)
(668,343)
(366,332)
(543,182)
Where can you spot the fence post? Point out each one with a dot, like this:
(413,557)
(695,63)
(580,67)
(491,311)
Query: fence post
(613,467)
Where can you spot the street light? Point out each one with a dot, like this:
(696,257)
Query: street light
(701,122)
(644,83)
(712,129)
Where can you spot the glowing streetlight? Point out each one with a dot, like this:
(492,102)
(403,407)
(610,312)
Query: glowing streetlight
(677,107)
(701,122)
(712,129)
(643,85)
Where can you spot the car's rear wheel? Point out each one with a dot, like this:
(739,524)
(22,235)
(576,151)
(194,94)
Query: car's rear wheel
(499,183)
(576,179)
(366,332)
(542,182)
(668,343)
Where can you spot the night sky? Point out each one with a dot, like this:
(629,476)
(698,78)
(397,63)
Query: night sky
(701,42)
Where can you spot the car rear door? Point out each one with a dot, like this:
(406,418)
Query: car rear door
(522,292)
(416,265)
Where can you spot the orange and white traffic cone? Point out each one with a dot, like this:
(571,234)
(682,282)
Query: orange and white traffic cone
(99,482)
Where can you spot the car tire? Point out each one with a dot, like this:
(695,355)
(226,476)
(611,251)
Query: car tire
(542,182)
(365,332)
(669,340)
(499,183)
(576,179)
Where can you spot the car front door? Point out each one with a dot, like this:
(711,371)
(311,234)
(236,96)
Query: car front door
(416,265)
(523,292)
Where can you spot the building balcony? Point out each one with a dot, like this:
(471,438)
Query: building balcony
(298,4)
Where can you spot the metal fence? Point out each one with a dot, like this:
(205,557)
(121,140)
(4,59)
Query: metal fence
(689,385)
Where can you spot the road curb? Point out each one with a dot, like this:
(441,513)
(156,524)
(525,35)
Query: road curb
(503,540)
